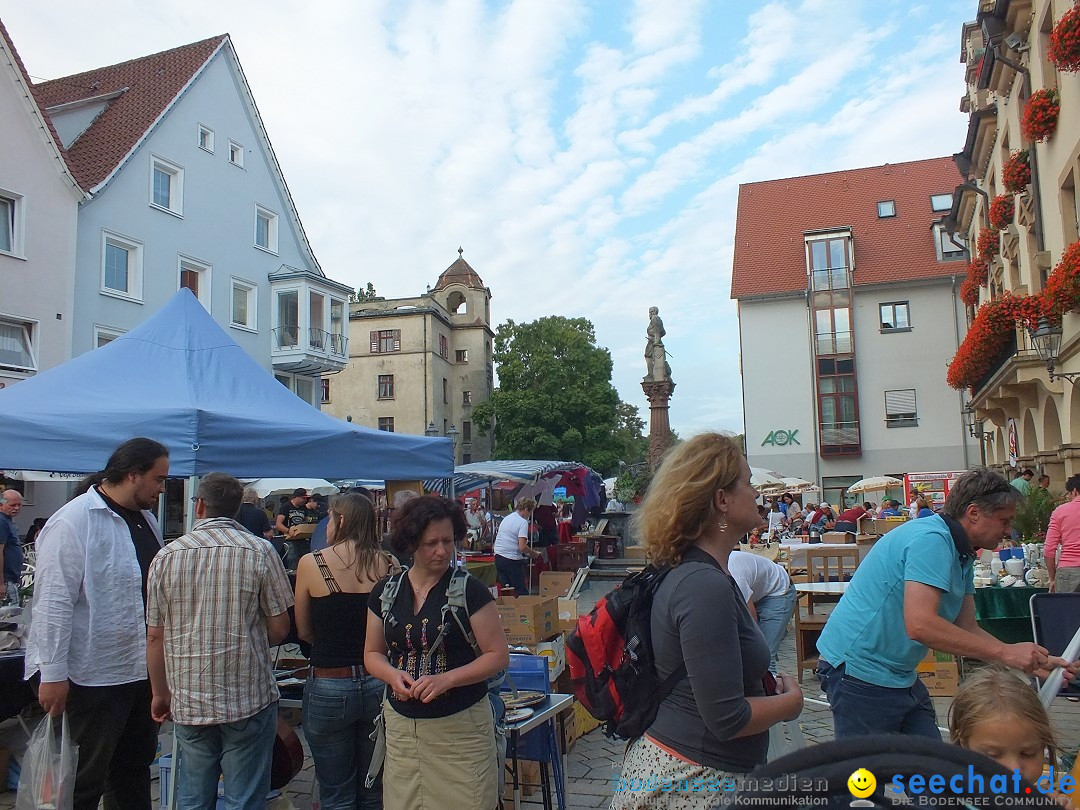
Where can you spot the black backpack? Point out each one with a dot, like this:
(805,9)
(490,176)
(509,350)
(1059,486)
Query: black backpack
(611,661)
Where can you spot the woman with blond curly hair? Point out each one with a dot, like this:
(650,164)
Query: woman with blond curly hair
(713,725)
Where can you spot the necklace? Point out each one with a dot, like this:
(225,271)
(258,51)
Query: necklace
(337,554)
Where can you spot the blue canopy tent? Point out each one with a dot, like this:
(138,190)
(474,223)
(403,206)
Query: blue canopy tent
(180,379)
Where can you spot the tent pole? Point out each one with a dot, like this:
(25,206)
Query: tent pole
(189,507)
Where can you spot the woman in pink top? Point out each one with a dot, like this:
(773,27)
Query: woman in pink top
(1064,532)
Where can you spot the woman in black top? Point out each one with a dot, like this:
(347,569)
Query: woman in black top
(440,730)
(713,725)
(341,701)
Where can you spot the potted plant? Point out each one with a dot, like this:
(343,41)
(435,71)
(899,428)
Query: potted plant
(1016,173)
(1033,514)
(1002,210)
(1063,47)
(988,246)
(1040,117)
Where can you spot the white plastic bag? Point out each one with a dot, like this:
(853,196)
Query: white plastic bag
(47,780)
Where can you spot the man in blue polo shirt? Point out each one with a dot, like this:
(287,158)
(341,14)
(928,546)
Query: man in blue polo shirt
(914,592)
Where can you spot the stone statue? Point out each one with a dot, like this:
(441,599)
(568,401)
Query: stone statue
(656,364)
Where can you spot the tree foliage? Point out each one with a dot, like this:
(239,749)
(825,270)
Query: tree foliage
(366,294)
(555,399)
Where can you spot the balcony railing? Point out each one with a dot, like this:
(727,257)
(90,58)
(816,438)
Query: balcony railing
(318,339)
(286,337)
(835,278)
(339,344)
(1018,345)
(834,343)
(839,438)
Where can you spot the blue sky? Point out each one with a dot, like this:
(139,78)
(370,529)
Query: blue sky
(586,155)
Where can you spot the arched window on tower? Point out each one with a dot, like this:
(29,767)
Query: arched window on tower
(455,301)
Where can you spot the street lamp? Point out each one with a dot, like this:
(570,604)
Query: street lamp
(975,428)
(1047,342)
(431,431)
(452,434)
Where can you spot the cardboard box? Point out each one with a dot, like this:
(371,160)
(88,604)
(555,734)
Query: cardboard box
(528,619)
(302,532)
(584,721)
(554,650)
(940,672)
(556,583)
(568,614)
(570,727)
(883,525)
(838,537)
(634,553)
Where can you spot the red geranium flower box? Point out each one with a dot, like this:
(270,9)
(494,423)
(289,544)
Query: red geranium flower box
(1002,210)
(1063,47)
(1016,173)
(1040,117)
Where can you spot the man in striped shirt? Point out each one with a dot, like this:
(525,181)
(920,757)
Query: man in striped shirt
(217,598)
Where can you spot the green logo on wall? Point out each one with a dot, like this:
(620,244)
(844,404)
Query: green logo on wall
(779,438)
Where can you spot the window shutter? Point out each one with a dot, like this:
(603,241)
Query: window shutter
(397,340)
(900,402)
(373,336)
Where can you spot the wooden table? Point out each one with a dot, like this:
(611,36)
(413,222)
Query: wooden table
(821,587)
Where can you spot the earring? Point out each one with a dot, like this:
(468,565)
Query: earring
(722,524)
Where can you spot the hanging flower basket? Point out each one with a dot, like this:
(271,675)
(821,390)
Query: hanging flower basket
(1016,173)
(1062,291)
(1002,210)
(1063,47)
(1041,115)
(988,246)
(969,292)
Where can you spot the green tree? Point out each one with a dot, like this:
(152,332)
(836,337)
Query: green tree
(366,294)
(555,399)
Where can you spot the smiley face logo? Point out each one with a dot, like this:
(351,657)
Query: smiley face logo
(861,783)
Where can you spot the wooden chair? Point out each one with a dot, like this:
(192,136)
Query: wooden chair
(829,565)
(808,629)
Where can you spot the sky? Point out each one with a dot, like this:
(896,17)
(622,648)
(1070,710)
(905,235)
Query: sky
(585,155)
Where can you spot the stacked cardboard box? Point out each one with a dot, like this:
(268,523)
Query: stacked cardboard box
(940,672)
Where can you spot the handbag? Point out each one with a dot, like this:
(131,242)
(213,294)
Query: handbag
(47,778)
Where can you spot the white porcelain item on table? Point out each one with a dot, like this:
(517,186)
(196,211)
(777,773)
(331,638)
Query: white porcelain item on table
(996,565)
(1015,567)
(1019,583)
(1037,578)
(1009,581)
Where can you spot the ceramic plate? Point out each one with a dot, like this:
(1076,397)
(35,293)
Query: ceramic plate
(286,682)
(517,715)
(523,699)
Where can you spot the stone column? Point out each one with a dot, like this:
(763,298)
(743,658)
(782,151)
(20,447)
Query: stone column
(658,393)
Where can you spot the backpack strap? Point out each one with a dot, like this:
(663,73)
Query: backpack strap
(327,575)
(389,594)
(456,604)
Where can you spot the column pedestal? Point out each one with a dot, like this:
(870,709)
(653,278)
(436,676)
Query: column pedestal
(658,393)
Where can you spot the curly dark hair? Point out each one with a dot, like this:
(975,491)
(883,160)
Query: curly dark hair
(412,519)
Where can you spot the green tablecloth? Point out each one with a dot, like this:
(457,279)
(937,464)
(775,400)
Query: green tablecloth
(1005,613)
(483,571)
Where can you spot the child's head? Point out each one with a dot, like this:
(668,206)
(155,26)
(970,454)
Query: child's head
(996,714)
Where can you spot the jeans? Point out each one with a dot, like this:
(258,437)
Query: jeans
(240,752)
(512,574)
(773,615)
(117,741)
(861,708)
(339,716)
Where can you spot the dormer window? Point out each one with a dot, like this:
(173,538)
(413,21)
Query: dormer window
(886,209)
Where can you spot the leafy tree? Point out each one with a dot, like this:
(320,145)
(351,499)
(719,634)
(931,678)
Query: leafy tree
(555,399)
(366,294)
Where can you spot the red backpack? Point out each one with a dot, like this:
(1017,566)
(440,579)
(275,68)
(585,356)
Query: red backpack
(611,661)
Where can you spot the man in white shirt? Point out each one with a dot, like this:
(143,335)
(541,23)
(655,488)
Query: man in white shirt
(88,634)
(769,593)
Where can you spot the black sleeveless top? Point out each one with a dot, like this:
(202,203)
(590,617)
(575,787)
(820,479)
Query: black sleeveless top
(340,623)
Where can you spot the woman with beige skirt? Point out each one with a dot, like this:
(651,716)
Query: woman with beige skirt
(439,726)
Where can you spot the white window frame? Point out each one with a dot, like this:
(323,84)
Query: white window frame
(18,207)
(110,332)
(312,394)
(205,272)
(236,154)
(901,418)
(252,291)
(947,198)
(271,229)
(29,327)
(176,185)
(940,237)
(886,209)
(205,130)
(135,266)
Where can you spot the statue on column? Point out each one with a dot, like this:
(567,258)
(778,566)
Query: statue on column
(656,363)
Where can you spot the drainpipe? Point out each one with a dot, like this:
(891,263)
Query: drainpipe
(423,354)
(959,394)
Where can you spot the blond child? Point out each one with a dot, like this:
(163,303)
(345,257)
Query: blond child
(998,715)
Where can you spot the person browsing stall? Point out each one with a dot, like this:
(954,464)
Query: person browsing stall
(512,548)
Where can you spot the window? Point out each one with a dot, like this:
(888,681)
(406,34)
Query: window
(166,186)
(828,261)
(940,202)
(466,431)
(284,379)
(462,355)
(838,407)
(386,423)
(324,386)
(317,334)
(886,208)
(305,389)
(384,340)
(466,397)
(236,154)
(466,458)
(244,305)
(444,347)
(10,223)
(386,386)
(950,247)
(16,345)
(900,410)
(195,276)
(288,319)
(338,343)
(445,390)
(206,138)
(121,266)
(265,229)
(105,334)
(894,317)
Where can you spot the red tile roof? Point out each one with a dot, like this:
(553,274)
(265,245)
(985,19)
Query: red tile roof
(460,272)
(149,85)
(26,78)
(770,256)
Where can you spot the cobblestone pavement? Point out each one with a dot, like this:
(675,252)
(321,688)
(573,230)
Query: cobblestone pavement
(595,759)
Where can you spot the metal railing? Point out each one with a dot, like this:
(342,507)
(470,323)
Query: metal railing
(834,343)
(835,278)
(286,337)
(839,434)
(339,344)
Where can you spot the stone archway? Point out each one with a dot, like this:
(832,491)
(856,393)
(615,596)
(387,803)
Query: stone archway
(1051,433)
(1029,438)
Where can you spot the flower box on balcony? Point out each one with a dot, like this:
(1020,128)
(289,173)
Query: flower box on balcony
(1002,210)
(1063,47)
(1016,173)
(1040,117)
